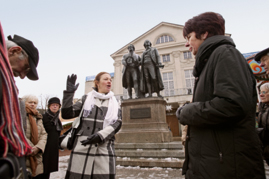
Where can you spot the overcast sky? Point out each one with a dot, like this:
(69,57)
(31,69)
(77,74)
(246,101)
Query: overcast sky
(79,36)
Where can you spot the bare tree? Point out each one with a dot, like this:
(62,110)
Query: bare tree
(43,102)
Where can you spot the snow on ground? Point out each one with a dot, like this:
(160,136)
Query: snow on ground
(125,172)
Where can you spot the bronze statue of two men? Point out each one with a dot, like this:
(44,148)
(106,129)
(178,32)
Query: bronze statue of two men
(146,79)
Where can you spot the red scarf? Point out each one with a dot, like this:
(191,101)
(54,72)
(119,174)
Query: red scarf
(11,133)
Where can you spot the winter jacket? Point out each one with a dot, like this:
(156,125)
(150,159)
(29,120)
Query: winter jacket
(42,136)
(51,154)
(97,160)
(263,122)
(221,140)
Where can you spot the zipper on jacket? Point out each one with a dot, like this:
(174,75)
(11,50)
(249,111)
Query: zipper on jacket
(218,146)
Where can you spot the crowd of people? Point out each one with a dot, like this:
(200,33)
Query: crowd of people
(221,140)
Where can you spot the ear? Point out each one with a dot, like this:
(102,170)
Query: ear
(12,50)
(204,36)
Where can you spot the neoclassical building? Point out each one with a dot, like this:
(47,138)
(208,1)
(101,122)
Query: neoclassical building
(177,72)
(178,64)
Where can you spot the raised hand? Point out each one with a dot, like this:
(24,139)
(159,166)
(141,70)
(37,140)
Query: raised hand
(71,85)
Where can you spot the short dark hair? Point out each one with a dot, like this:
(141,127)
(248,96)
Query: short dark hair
(131,46)
(97,79)
(147,41)
(210,22)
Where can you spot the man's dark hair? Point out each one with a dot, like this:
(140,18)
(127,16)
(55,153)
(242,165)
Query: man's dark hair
(131,46)
(210,22)
(147,41)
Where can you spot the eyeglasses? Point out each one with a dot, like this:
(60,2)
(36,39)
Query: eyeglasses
(263,92)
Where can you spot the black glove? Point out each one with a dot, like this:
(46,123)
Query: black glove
(93,139)
(71,85)
(179,109)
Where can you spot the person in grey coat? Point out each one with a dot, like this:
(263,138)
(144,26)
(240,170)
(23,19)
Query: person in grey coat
(221,141)
(93,153)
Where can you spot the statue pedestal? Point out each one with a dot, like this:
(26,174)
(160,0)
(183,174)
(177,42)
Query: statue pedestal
(144,121)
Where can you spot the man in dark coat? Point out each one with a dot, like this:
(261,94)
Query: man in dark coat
(221,141)
(151,79)
(53,127)
(18,57)
(131,72)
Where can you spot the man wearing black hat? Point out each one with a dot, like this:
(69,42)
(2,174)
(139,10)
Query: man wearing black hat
(23,57)
(53,127)
(19,57)
(263,57)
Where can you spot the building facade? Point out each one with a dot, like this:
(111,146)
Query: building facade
(178,63)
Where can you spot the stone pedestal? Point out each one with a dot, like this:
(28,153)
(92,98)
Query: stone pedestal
(144,121)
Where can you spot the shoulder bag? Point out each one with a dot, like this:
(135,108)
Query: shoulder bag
(67,140)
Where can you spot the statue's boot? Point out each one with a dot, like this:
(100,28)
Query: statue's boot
(130,93)
(149,89)
(136,90)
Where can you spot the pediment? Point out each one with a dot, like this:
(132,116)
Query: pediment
(164,28)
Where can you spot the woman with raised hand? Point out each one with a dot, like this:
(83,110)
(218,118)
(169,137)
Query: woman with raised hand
(93,153)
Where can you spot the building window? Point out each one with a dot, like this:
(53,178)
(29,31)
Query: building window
(164,38)
(166,58)
(189,81)
(187,55)
(168,83)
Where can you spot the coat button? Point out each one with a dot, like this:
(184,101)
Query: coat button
(88,128)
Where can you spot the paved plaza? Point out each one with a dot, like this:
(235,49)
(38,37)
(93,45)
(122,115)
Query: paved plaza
(132,172)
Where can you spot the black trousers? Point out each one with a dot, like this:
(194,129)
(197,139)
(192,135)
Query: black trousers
(42,176)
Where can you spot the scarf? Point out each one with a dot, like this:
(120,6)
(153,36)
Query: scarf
(54,119)
(112,112)
(34,134)
(12,137)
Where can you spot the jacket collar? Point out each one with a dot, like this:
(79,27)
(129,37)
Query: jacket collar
(206,49)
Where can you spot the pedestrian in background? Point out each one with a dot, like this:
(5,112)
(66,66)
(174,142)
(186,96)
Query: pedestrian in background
(221,140)
(36,136)
(263,120)
(53,127)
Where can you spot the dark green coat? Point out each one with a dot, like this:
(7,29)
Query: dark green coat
(221,139)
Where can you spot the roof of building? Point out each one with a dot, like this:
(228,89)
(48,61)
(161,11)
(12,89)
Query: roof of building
(91,78)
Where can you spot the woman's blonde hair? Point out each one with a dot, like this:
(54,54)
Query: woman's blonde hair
(30,97)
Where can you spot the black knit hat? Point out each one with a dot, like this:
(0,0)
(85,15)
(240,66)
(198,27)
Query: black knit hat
(31,51)
(259,55)
(54,100)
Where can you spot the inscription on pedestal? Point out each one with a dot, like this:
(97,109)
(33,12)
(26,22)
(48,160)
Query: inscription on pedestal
(140,113)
